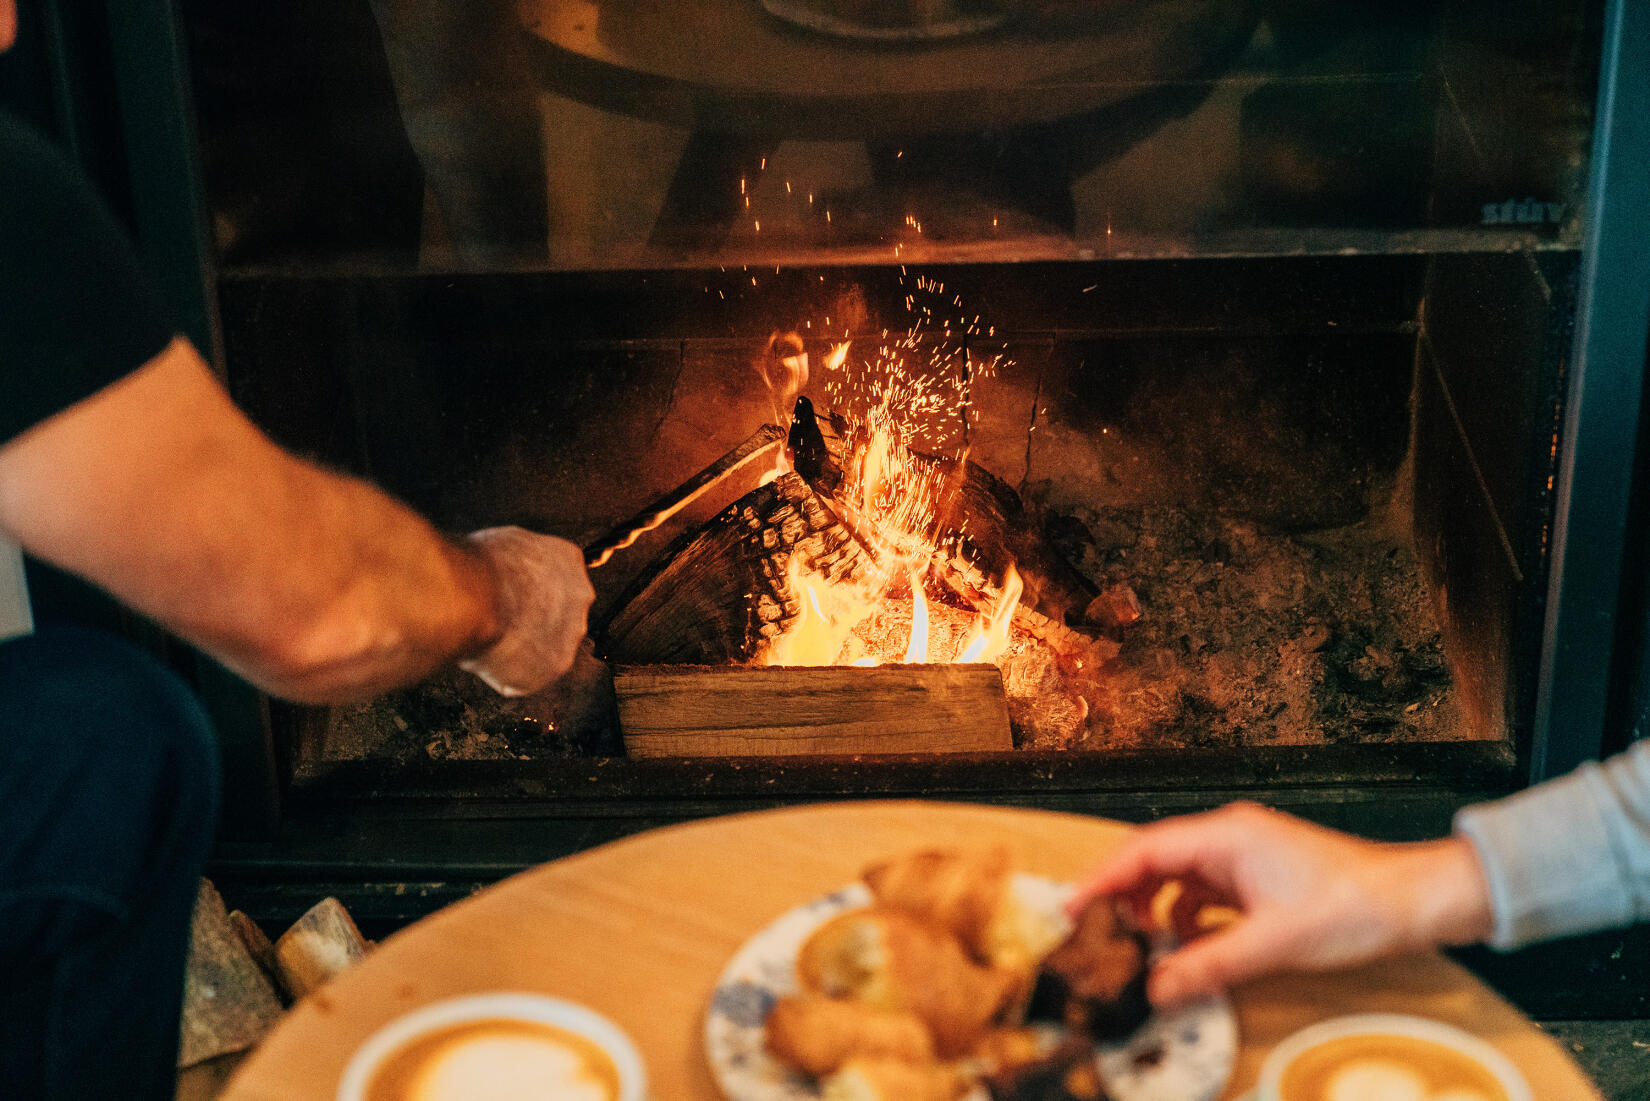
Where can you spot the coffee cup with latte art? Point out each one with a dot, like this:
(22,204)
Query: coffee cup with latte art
(504,1047)
(1387,1057)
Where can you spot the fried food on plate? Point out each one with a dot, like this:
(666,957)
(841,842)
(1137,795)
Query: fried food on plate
(924,993)
(892,1080)
(889,960)
(817,1035)
(1068,1073)
(973,895)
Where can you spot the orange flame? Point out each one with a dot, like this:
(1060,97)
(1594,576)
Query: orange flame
(820,633)
(989,637)
(917,652)
(890,498)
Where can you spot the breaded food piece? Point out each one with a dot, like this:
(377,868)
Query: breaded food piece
(1095,982)
(973,894)
(892,1080)
(889,960)
(1022,932)
(955,890)
(817,1035)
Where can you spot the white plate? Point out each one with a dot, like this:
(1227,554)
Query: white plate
(803,15)
(1186,1055)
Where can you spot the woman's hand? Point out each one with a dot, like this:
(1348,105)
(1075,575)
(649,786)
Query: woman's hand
(1308,898)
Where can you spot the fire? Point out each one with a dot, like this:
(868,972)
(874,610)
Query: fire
(820,631)
(842,624)
(989,637)
(917,652)
(891,499)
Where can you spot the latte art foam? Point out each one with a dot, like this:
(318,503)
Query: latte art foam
(501,1060)
(1380,1067)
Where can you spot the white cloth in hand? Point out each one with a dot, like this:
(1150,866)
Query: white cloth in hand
(544,598)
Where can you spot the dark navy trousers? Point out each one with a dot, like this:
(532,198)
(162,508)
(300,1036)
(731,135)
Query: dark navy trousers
(108,801)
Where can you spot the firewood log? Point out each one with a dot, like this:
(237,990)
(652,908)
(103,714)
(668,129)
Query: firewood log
(717,594)
(262,951)
(768,711)
(318,946)
(994,529)
(228,1003)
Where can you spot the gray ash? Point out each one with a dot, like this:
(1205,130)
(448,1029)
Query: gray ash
(1244,637)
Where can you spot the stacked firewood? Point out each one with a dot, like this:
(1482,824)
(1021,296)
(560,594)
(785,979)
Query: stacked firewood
(238,981)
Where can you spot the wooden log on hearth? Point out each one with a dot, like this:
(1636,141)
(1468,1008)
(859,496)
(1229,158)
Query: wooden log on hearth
(228,1003)
(698,711)
(718,593)
(318,946)
(262,950)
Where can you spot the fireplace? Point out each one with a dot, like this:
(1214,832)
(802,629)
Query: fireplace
(1286,360)
(1214,529)
(1258,423)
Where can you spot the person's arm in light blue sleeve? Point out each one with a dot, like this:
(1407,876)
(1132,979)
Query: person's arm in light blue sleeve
(1568,856)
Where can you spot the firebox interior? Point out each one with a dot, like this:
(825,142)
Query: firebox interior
(1285,500)
(1257,314)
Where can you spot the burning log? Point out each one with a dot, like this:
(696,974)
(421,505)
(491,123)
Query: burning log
(995,530)
(827,567)
(768,711)
(717,594)
(759,443)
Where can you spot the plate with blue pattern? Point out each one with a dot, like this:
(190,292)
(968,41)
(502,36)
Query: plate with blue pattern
(1183,1055)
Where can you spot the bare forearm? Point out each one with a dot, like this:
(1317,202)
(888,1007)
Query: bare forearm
(1439,893)
(332,591)
(313,585)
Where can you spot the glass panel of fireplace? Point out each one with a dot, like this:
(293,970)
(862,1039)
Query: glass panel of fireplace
(1528,385)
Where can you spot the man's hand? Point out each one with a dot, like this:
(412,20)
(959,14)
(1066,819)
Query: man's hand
(544,597)
(1309,898)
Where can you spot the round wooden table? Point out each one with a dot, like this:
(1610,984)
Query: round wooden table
(640,929)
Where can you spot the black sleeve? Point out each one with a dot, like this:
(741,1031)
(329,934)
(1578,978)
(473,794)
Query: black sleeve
(76,312)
